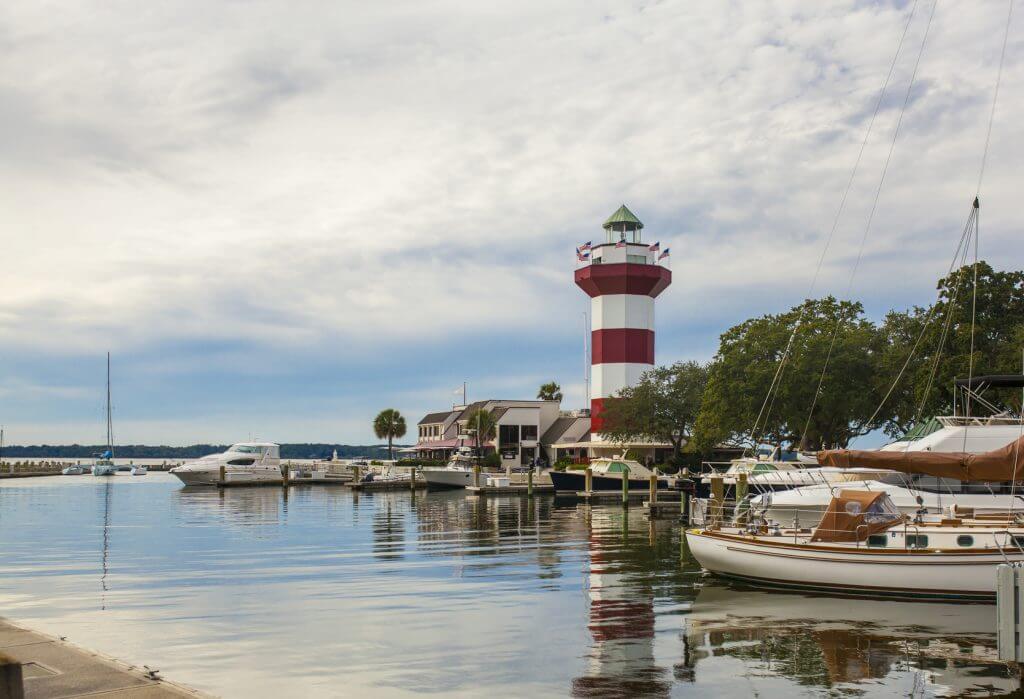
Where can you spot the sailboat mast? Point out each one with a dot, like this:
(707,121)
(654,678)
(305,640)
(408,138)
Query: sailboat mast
(110,422)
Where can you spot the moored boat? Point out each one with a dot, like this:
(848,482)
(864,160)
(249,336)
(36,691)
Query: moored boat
(607,474)
(246,462)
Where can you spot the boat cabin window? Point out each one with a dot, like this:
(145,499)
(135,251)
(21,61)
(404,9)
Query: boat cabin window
(1018,541)
(917,541)
(244,449)
(965,540)
(763,468)
(880,540)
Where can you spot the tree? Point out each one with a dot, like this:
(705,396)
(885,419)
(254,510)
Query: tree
(483,424)
(663,406)
(740,395)
(550,391)
(942,335)
(389,424)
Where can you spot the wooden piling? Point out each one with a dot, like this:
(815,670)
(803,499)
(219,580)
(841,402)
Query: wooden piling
(356,471)
(588,480)
(741,494)
(223,476)
(717,501)
(625,488)
(529,483)
(284,475)
(412,481)
(652,495)
(12,682)
(476,475)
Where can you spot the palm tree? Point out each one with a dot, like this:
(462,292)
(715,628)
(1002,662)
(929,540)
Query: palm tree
(389,424)
(550,391)
(482,422)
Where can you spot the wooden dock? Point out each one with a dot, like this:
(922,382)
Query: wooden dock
(374,486)
(37,666)
(508,489)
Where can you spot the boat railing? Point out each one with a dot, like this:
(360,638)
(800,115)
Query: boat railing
(977,421)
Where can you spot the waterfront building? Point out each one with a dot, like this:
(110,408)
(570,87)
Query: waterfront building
(524,432)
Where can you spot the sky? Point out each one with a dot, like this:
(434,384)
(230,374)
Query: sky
(281,218)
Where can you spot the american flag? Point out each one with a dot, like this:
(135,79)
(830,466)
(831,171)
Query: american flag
(663,255)
(585,247)
(621,243)
(582,256)
(655,247)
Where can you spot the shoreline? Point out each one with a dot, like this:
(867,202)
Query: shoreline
(55,667)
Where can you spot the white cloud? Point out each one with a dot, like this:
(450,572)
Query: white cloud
(366,173)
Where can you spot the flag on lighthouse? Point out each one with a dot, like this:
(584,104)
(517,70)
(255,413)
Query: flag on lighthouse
(654,247)
(621,243)
(663,255)
(582,255)
(585,247)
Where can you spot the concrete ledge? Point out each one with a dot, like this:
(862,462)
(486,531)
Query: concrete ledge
(52,669)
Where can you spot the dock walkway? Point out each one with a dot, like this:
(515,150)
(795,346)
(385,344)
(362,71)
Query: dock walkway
(52,668)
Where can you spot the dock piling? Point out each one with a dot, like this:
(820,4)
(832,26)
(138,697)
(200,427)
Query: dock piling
(476,475)
(529,483)
(11,679)
(412,481)
(652,494)
(717,501)
(588,480)
(223,477)
(625,488)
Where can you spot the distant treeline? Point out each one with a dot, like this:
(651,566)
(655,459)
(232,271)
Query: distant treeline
(143,451)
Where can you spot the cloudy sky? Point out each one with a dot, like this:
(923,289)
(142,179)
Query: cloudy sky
(282,217)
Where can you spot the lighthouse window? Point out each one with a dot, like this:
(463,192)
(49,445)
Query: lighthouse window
(637,259)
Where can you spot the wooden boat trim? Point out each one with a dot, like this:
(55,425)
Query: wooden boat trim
(863,550)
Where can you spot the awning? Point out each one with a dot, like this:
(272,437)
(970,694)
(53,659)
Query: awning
(438,444)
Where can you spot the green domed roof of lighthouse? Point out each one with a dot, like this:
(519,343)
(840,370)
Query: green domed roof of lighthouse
(622,218)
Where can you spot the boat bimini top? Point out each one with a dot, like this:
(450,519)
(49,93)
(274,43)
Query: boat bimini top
(854,515)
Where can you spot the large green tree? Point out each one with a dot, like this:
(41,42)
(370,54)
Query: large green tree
(663,406)
(750,397)
(940,337)
(389,424)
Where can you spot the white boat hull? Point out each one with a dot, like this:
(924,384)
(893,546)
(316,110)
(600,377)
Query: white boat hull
(445,478)
(925,573)
(193,476)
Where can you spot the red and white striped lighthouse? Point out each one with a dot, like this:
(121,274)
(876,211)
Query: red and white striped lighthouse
(622,278)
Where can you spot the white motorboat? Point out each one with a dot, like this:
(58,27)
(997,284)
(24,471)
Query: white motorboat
(139,470)
(246,462)
(73,470)
(457,473)
(104,467)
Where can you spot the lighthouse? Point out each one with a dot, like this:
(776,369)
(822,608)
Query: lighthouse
(622,277)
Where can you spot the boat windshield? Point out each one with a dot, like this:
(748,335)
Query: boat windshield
(246,449)
(922,429)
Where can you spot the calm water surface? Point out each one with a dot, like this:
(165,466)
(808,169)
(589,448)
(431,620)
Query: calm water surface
(318,592)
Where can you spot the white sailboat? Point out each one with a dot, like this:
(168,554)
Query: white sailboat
(104,465)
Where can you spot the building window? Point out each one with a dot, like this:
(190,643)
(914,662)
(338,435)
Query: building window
(508,434)
(637,259)
(529,433)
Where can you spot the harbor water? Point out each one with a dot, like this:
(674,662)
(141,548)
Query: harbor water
(321,592)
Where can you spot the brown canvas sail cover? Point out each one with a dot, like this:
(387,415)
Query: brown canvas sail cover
(854,515)
(1003,464)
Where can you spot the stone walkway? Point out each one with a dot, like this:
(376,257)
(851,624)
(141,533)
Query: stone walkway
(52,668)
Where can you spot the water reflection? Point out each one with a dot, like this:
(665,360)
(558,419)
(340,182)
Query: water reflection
(846,644)
(317,591)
